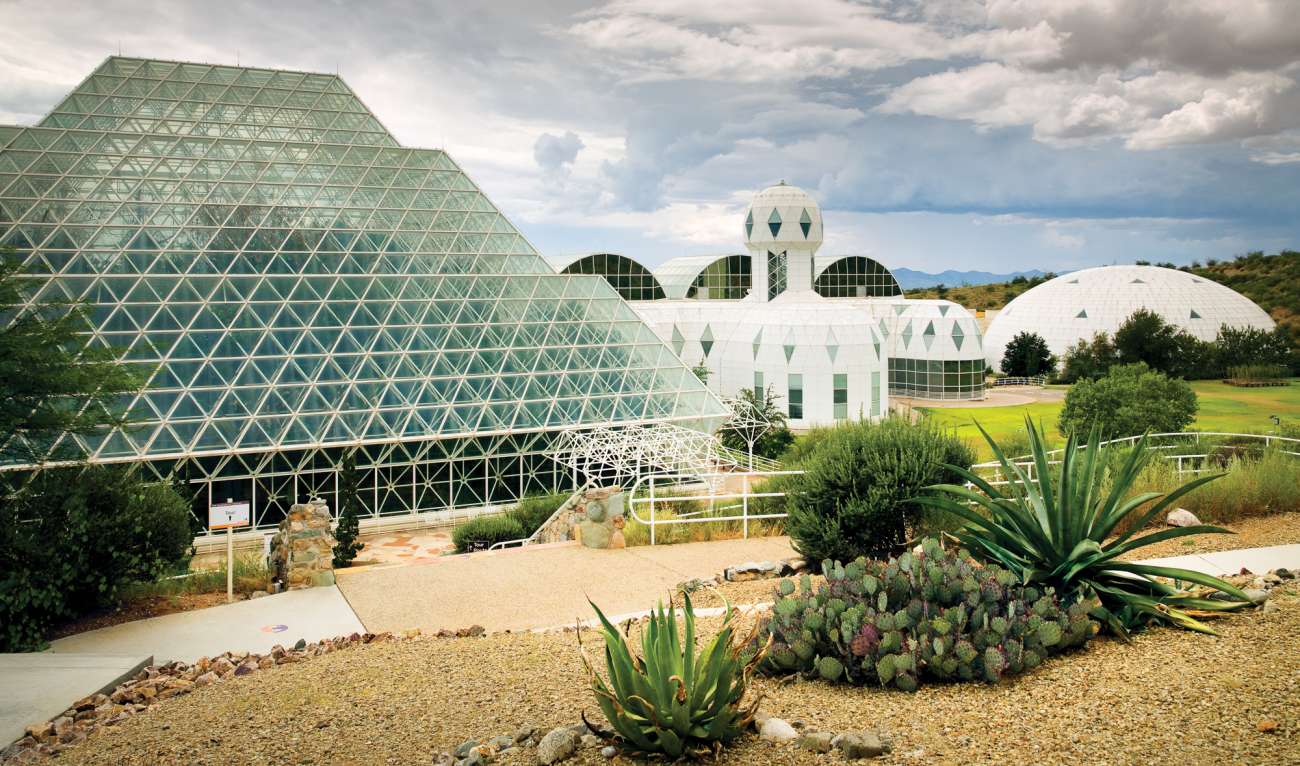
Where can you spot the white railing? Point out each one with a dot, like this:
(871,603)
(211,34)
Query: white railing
(655,500)
(1284,444)
(1036,380)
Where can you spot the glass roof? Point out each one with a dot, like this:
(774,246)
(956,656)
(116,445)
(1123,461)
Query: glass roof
(284,273)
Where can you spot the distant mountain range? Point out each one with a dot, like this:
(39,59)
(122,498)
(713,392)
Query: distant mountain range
(909,279)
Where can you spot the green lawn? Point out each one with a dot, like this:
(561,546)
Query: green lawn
(1222,408)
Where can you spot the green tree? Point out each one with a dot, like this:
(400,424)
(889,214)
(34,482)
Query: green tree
(346,545)
(701,371)
(1027,355)
(772,442)
(1236,346)
(51,381)
(1146,337)
(1088,358)
(1132,399)
(857,495)
(71,538)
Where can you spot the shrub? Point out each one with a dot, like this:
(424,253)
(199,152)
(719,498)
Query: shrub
(1257,482)
(346,545)
(1237,346)
(1088,358)
(1027,355)
(1056,530)
(1131,399)
(533,510)
(1146,337)
(772,441)
(482,532)
(1274,374)
(72,539)
(934,615)
(672,699)
(855,496)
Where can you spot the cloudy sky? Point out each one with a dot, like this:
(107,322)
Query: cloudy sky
(972,134)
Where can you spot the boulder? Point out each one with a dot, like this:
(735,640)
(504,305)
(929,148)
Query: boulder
(557,745)
(817,742)
(1181,517)
(855,745)
(777,730)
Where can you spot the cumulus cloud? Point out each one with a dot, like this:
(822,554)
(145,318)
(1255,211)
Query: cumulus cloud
(553,153)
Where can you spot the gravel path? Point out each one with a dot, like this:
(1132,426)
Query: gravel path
(1170,697)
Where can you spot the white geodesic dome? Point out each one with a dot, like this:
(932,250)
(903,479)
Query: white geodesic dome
(1079,304)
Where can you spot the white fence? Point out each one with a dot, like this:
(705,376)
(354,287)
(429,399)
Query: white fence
(1186,463)
(655,499)
(1037,380)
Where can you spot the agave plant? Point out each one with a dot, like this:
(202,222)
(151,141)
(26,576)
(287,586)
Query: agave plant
(1063,527)
(673,700)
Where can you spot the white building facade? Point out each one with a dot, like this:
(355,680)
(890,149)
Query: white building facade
(760,322)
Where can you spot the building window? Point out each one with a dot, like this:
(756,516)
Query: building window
(795,397)
(776,274)
(856,277)
(840,395)
(758,383)
(875,394)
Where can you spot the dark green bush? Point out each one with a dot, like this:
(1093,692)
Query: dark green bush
(1130,400)
(71,539)
(855,496)
(482,532)
(933,615)
(533,511)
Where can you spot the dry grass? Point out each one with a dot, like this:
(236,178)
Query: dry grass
(637,533)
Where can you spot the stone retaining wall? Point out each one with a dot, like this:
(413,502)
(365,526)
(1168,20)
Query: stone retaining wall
(593,517)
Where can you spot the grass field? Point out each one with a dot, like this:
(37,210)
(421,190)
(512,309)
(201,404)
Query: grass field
(1222,408)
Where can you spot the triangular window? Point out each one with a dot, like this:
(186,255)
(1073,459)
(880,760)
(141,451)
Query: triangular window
(749,225)
(1195,315)
(1083,314)
(706,340)
(805,223)
(774,222)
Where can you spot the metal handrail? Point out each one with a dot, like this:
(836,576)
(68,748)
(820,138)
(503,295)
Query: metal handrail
(1027,462)
(744,517)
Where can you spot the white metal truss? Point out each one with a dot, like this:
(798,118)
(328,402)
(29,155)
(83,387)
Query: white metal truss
(627,454)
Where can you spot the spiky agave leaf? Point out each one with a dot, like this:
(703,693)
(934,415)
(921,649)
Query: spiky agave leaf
(1056,528)
(673,699)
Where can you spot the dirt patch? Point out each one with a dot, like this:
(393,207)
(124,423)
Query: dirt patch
(140,609)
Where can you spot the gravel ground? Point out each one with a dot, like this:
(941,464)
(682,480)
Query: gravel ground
(1169,697)
(1276,529)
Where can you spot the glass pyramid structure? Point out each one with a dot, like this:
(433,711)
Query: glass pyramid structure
(293,283)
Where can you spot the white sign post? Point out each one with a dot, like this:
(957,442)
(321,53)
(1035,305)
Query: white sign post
(229,515)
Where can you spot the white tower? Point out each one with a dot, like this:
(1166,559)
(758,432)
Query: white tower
(783,229)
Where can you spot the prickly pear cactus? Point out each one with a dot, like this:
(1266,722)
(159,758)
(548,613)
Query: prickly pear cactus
(932,614)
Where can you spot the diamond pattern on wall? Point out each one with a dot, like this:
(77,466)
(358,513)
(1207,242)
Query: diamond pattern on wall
(287,275)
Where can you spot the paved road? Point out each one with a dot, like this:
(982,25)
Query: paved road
(253,626)
(36,687)
(540,586)
(1257,560)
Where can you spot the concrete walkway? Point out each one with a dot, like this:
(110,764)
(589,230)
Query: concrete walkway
(253,626)
(1257,560)
(540,586)
(36,687)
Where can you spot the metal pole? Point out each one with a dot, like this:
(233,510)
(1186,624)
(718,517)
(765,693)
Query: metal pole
(230,563)
(744,502)
(652,510)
